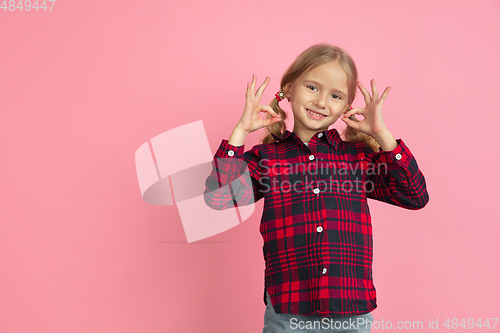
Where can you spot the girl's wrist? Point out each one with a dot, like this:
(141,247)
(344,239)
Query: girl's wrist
(386,140)
(237,137)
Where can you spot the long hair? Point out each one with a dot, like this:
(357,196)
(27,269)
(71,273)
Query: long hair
(311,58)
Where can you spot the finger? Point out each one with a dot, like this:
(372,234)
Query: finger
(248,91)
(263,87)
(353,112)
(365,93)
(271,111)
(351,123)
(384,95)
(374,90)
(270,121)
(254,82)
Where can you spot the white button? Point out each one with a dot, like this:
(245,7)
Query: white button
(311,157)
(319,229)
(230,153)
(398,156)
(324,270)
(316,190)
(320,135)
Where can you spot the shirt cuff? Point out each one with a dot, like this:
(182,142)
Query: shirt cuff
(227,150)
(401,156)
(229,162)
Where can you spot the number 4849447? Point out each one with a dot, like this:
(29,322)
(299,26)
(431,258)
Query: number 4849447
(454,323)
(26,5)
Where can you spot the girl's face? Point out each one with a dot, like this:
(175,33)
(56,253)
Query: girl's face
(318,99)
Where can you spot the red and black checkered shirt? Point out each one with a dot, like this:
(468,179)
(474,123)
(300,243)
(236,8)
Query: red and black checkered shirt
(316,223)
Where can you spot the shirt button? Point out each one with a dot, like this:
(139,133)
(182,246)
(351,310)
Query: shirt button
(319,229)
(320,135)
(311,157)
(324,270)
(316,190)
(398,156)
(230,153)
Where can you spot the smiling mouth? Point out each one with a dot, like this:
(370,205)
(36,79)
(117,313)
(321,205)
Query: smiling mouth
(315,113)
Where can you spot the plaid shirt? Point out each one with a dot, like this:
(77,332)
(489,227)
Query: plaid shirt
(316,223)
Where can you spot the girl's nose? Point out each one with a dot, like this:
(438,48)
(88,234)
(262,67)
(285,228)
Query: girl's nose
(320,101)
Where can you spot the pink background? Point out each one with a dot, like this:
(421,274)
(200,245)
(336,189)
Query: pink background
(83,86)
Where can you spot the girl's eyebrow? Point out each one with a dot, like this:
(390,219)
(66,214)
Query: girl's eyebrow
(319,84)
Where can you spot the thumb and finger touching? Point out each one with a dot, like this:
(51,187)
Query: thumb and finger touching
(255,108)
(373,106)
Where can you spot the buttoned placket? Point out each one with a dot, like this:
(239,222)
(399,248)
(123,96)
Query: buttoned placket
(319,228)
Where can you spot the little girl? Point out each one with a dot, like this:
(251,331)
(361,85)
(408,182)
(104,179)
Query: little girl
(316,222)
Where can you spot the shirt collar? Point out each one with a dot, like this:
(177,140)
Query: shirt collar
(332,137)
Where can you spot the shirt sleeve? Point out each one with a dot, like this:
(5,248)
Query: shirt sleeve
(235,179)
(394,177)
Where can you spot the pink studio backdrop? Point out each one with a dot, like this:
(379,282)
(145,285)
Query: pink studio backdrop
(84,85)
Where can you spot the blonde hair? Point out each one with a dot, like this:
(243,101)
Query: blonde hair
(311,58)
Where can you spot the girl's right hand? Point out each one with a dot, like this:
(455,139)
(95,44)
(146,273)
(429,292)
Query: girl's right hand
(250,120)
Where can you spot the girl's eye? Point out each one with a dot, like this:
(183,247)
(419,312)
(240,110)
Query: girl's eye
(336,96)
(312,87)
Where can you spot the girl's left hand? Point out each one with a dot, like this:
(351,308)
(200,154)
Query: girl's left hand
(372,124)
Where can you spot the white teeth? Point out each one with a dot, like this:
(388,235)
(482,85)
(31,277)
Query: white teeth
(316,114)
